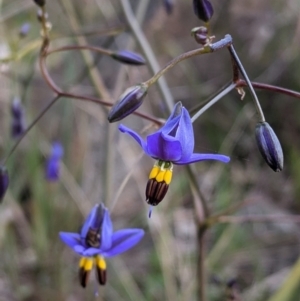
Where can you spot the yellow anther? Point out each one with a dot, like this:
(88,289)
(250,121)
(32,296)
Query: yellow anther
(82,262)
(101,263)
(154,172)
(88,265)
(168,176)
(160,176)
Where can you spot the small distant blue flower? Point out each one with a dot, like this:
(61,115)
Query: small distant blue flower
(97,240)
(171,144)
(4,181)
(25,28)
(18,124)
(53,162)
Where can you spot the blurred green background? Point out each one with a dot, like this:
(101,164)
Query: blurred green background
(100,165)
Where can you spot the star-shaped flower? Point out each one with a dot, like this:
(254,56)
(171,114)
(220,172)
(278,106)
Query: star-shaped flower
(97,240)
(172,144)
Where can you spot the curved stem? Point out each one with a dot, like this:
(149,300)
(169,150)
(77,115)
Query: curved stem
(225,42)
(61,93)
(252,91)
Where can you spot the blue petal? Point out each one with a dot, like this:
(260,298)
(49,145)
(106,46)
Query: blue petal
(52,169)
(79,249)
(124,240)
(203,157)
(185,134)
(91,252)
(70,239)
(94,220)
(107,231)
(164,147)
(176,111)
(135,136)
(57,150)
(164,144)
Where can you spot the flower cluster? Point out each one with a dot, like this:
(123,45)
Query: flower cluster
(172,144)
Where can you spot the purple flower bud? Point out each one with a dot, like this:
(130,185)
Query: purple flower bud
(24,30)
(169,4)
(4,181)
(53,162)
(40,3)
(18,124)
(269,146)
(128,57)
(128,102)
(203,9)
(200,34)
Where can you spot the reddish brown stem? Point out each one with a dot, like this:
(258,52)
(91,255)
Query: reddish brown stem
(61,93)
(241,83)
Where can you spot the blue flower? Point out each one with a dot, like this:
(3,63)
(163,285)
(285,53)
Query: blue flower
(53,162)
(97,240)
(171,144)
(18,123)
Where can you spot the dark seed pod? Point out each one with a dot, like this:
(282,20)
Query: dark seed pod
(4,181)
(40,3)
(128,102)
(203,9)
(128,57)
(200,34)
(155,191)
(269,146)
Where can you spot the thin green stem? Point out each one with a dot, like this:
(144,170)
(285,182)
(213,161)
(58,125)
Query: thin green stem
(214,100)
(252,91)
(225,42)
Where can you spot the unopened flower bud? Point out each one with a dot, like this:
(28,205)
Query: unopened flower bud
(200,34)
(128,57)
(40,3)
(128,102)
(4,181)
(269,146)
(203,9)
